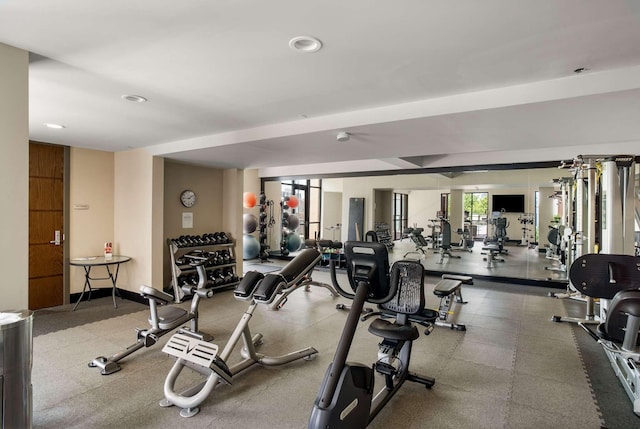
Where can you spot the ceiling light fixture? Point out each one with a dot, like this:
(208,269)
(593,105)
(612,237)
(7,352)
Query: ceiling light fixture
(134,98)
(343,136)
(54,126)
(305,44)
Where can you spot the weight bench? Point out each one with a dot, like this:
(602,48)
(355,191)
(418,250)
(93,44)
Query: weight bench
(296,274)
(450,286)
(492,253)
(418,239)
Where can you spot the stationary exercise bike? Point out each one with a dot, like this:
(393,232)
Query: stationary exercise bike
(346,399)
(164,320)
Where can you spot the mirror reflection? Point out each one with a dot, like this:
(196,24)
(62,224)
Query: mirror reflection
(499,223)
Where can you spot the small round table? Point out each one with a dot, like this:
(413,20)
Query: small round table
(99,261)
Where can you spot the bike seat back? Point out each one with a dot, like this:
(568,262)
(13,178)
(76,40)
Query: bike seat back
(368,262)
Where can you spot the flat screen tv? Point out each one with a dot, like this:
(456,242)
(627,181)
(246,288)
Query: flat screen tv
(508,203)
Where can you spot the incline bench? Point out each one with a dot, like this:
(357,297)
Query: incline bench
(296,274)
(450,285)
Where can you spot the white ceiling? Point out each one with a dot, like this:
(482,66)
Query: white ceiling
(418,83)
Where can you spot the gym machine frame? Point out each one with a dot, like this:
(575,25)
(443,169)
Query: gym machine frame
(615,278)
(203,357)
(346,397)
(163,320)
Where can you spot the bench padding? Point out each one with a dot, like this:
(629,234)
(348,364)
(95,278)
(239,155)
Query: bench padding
(245,288)
(446,287)
(268,287)
(468,280)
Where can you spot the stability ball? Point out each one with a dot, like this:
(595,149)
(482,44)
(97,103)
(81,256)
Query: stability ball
(293,242)
(250,247)
(294,222)
(249,200)
(293,201)
(249,223)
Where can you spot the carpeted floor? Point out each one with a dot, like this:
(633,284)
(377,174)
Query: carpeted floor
(513,368)
(54,319)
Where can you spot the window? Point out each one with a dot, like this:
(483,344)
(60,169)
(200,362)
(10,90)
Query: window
(308,193)
(476,209)
(400,214)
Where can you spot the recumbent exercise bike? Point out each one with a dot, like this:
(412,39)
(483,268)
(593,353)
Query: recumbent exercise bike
(346,399)
(166,319)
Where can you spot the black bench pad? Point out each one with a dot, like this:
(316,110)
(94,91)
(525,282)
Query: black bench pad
(446,287)
(268,287)
(245,288)
(468,280)
(385,329)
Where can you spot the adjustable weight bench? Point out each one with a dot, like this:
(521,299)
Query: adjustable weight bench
(450,286)
(219,365)
(492,253)
(418,239)
(296,274)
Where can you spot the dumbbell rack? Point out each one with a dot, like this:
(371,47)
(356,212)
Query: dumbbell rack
(384,234)
(181,271)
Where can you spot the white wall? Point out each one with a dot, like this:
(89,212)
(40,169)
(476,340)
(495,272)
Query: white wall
(423,206)
(14,170)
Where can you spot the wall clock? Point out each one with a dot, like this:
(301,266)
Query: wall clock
(188,198)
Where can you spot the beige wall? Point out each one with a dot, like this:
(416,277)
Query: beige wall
(91,205)
(14,186)
(331,215)
(134,219)
(207,183)
(132,199)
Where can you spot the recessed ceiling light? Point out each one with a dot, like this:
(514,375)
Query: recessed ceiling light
(134,98)
(54,126)
(305,44)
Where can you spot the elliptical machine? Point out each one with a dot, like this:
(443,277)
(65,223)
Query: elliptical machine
(346,399)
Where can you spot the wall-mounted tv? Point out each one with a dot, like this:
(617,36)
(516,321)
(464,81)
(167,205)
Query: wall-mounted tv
(508,203)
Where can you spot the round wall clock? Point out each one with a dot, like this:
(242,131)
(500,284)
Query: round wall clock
(188,198)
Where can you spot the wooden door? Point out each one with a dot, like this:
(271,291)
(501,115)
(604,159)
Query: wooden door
(46,216)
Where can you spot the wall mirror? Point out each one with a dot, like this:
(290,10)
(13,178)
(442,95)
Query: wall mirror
(525,196)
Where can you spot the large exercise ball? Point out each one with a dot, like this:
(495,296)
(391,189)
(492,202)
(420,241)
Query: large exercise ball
(294,222)
(250,247)
(249,200)
(293,242)
(249,223)
(293,201)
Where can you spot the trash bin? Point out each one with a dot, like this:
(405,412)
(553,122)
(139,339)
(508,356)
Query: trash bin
(16,359)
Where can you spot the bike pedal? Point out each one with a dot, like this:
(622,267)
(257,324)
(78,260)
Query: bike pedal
(385,368)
